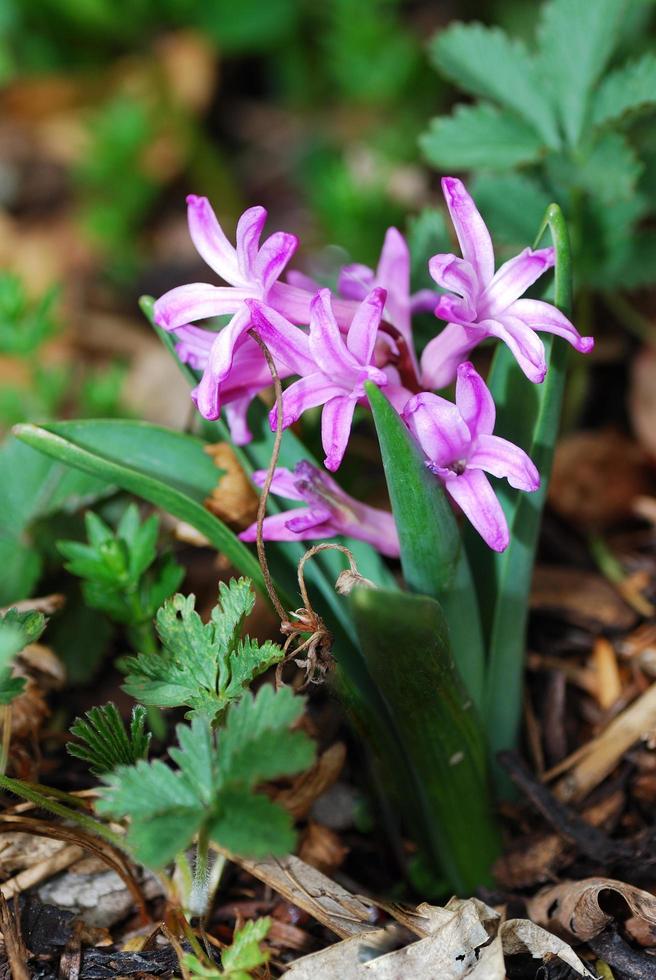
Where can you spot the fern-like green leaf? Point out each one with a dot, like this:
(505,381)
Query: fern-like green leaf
(480,136)
(627,90)
(204,666)
(104,741)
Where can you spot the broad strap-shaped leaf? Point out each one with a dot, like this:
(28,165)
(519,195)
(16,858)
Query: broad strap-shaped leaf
(627,90)
(31,487)
(528,415)
(576,40)
(432,559)
(442,787)
(179,485)
(213,788)
(485,61)
(480,136)
(202,665)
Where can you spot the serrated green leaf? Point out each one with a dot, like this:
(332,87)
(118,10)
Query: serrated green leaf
(202,665)
(625,91)
(609,171)
(252,826)
(485,61)
(105,742)
(244,952)
(480,136)
(167,807)
(576,40)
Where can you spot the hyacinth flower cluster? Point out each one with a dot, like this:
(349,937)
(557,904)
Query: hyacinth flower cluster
(332,343)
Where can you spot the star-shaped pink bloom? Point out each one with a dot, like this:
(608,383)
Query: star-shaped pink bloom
(482,303)
(335,369)
(329,512)
(460,449)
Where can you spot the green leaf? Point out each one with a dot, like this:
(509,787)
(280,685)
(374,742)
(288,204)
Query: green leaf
(480,136)
(208,791)
(485,61)
(106,743)
(627,90)
(608,171)
(203,665)
(33,487)
(17,629)
(244,952)
(528,415)
(576,40)
(511,204)
(442,787)
(432,559)
(174,478)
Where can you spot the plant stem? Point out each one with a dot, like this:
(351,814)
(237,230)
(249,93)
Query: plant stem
(27,792)
(199,897)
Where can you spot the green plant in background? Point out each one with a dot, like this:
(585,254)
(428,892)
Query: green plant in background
(243,955)
(121,573)
(17,629)
(104,743)
(566,119)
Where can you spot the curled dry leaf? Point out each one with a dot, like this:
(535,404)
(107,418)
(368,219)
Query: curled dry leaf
(588,487)
(310,785)
(580,597)
(234,499)
(322,848)
(580,910)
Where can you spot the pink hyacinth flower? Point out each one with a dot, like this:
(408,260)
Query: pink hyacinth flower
(329,512)
(460,449)
(338,366)
(482,303)
(393,275)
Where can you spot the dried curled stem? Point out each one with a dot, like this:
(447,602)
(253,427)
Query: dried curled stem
(296,625)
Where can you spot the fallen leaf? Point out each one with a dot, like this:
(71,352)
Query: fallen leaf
(234,499)
(596,477)
(309,786)
(580,910)
(580,597)
(322,848)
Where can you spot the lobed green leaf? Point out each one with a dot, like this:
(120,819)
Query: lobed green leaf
(480,136)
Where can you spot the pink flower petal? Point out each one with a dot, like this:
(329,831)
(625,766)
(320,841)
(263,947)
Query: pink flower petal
(476,498)
(474,401)
(512,279)
(210,241)
(438,427)
(454,309)
(393,270)
(503,459)
(336,420)
(471,230)
(302,281)
(355,281)
(236,414)
(455,274)
(443,354)
(525,344)
(197,301)
(307,392)
(284,483)
(276,528)
(249,230)
(287,344)
(326,342)
(543,316)
(272,258)
(361,337)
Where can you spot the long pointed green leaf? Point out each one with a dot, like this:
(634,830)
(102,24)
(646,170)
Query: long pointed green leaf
(442,785)
(73,443)
(433,560)
(528,415)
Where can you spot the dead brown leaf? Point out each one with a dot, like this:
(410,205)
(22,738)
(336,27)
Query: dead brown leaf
(234,499)
(310,785)
(322,848)
(580,910)
(596,477)
(580,597)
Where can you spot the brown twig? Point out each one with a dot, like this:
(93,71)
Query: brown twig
(13,942)
(305,620)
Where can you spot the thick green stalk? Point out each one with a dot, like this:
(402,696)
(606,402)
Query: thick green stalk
(528,415)
(441,787)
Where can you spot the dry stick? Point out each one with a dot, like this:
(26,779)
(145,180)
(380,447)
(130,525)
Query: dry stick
(264,496)
(307,621)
